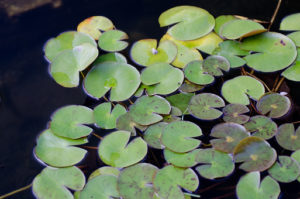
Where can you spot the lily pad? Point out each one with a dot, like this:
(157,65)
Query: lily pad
(203,106)
(296,156)
(121,78)
(182,159)
(214,65)
(169,181)
(288,138)
(255,153)
(126,123)
(293,72)
(136,181)
(153,134)
(290,22)
(238,89)
(234,113)
(106,170)
(190,22)
(221,20)
(195,73)
(106,117)
(181,101)
(58,151)
(250,187)
(285,170)
(111,41)
(52,183)
(189,87)
(228,136)
(68,121)
(114,57)
(178,136)
(214,164)
(261,126)
(295,37)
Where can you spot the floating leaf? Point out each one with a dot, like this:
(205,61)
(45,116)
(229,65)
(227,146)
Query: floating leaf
(195,73)
(178,136)
(182,159)
(115,150)
(57,151)
(214,164)
(295,37)
(106,170)
(214,65)
(171,118)
(126,123)
(290,22)
(221,20)
(250,187)
(296,156)
(111,41)
(136,181)
(261,126)
(203,106)
(293,72)
(288,138)
(255,153)
(52,183)
(114,57)
(238,89)
(234,113)
(191,22)
(121,78)
(181,101)
(153,134)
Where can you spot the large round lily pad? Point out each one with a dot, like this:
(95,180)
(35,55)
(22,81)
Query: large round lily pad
(111,41)
(293,72)
(261,126)
(188,159)
(234,113)
(195,73)
(115,150)
(214,65)
(290,22)
(296,156)
(181,101)
(287,137)
(120,78)
(153,134)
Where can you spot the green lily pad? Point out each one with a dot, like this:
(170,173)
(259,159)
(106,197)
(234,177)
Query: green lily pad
(180,100)
(68,121)
(94,25)
(121,78)
(275,51)
(190,22)
(238,89)
(126,123)
(145,52)
(250,187)
(261,126)
(195,73)
(114,149)
(221,20)
(114,57)
(288,138)
(285,170)
(52,183)
(136,181)
(153,134)
(58,151)
(228,136)
(296,156)
(169,181)
(273,105)
(255,153)
(295,37)
(111,41)
(234,113)
(203,106)
(293,72)
(290,22)
(214,164)
(189,87)
(171,118)
(106,117)
(146,109)
(214,65)
(162,78)
(182,159)
(178,136)
(106,170)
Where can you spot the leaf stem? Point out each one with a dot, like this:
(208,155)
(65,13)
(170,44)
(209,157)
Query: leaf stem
(275,14)
(15,191)
(279,84)
(98,136)
(275,83)
(297,122)
(224,196)
(90,147)
(193,195)
(82,74)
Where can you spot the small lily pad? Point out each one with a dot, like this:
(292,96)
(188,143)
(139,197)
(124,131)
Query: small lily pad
(214,164)
(288,138)
(114,57)
(203,106)
(115,150)
(153,134)
(238,89)
(195,73)
(57,180)
(293,72)
(214,65)
(234,113)
(178,136)
(295,37)
(255,153)
(189,87)
(261,126)
(182,159)
(181,101)
(106,170)
(111,41)
(221,20)
(250,187)
(126,123)
(296,156)
(290,22)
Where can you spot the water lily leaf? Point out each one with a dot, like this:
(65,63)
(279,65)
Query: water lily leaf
(182,159)
(181,101)
(68,121)
(203,106)
(52,183)
(114,149)
(250,187)
(290,22)
(221,20)
(191,22)
(189,87)
(238,89)
(171,118)
(58,151)
(178,136)
(114,57)
(214,164)
(275,51)
(296,156)
(273,105)
(145,52)
(106,170)
(111,41)
(234,113)
(231,50)
(214,65)
(288,138)
(261,126)
(136,181)
(162,78)
(106,117)
(94,25)
(126,123)
(153,134)
(195,73)
(146,109)
(293,72)
(295,37)
(255,153)
(121,78)
(285,170)
(169,181)
(229,135)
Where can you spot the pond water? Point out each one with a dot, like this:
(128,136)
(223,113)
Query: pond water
(29,95)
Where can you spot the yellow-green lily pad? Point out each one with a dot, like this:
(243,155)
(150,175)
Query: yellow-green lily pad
(195,73)
(295,37)
(293,72)
(182,159)
(153,134)
(111,41)
(234,113)
(106,170)
(290,22)
(114,57)
(221,20)
(287,137)
(261,126)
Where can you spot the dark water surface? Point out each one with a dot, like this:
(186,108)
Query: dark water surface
(29,95)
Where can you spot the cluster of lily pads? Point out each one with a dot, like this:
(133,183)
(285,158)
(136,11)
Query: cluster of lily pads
(146,105)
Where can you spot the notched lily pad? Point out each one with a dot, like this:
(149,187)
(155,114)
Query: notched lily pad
(182,159)
(221,20)
(261,126)
(234,113)
(126,123)
(153,134)
(111,41)
(214,65)
(288,138)
(195,73)
(296,156)
(290,22)
(181,101)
